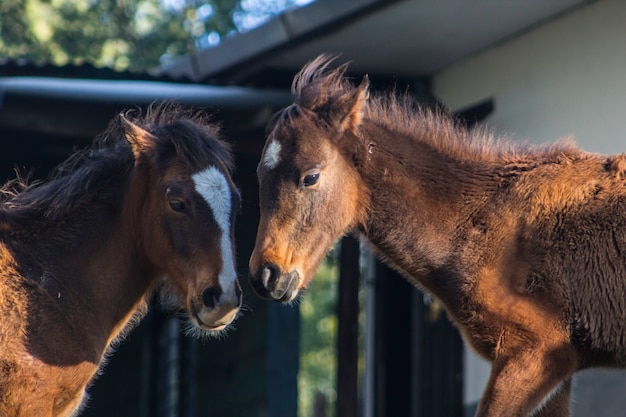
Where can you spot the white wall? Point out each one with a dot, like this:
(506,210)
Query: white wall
(565,77)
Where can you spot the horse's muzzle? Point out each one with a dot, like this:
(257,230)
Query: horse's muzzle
(271,283)
(219,308)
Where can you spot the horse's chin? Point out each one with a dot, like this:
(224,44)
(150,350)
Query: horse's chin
(199,330)
(211,321)
(209,328)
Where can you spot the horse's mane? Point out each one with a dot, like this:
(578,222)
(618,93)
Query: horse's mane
(191,132)
(318,86)
(109,159)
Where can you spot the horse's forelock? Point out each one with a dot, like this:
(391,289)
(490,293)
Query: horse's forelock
(200,144)
(191,133)
(317,86)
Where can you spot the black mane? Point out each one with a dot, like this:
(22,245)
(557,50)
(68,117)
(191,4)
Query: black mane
(184,132)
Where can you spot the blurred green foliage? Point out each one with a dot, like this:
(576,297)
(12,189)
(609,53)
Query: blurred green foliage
(134,35)
(318,340)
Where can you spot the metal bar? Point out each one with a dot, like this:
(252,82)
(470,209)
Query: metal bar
(348,329)
(368,260)
(170,348)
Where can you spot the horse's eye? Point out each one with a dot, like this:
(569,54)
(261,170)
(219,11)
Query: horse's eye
(310,179)
(177,205)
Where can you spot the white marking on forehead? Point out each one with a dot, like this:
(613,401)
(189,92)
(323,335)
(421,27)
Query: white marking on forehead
(212,185)
(271,158)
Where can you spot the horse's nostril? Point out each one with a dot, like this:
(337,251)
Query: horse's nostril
(211,296)
(269,276)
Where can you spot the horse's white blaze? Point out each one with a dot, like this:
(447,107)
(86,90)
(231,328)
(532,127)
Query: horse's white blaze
(271,158)
(212,185)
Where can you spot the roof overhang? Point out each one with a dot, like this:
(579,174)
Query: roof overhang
(407,38)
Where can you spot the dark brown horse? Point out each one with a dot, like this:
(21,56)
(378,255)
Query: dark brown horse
(150,203)
(525,246)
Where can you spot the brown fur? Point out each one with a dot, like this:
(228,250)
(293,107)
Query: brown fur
(81,253)
(524,245)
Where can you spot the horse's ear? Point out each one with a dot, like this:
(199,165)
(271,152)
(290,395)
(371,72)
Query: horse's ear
(140,140)
(351,107)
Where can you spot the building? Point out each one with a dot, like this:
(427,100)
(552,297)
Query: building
(532,70)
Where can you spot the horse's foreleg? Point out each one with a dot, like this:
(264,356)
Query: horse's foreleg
(529,380)
(558,403)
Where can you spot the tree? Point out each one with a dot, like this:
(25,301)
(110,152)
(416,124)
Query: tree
(131,35)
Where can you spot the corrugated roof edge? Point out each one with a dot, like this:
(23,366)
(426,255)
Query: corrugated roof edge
(12,68)
(284,29)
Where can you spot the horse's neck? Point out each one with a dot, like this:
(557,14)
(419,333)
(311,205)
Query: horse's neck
(419,201)
(93,271)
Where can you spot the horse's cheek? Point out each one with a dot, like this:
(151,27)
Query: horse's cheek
(165,241)
(177,237)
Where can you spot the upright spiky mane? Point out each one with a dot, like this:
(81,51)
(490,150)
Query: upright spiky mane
(318,86)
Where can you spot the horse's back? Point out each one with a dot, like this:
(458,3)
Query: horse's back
(27,365)
(14,299)
(564,224)
(586,252)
